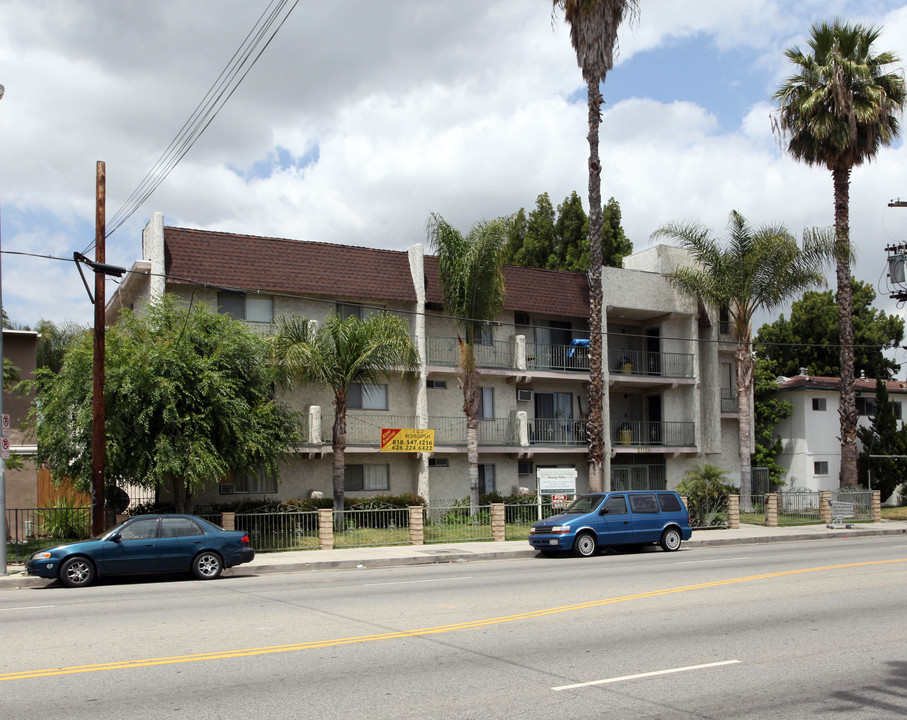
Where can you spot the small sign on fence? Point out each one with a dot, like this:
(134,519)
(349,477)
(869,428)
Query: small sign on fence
(407,440)
(557,481)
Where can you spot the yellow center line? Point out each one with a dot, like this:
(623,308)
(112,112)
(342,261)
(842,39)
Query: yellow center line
(438,629)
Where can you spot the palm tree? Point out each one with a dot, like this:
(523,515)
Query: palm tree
(593,34)
(837,110)
(472,282)
(757,270)
(338,354)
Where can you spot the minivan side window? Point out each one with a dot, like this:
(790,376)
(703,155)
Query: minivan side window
(669,503)
(643,504)
(616,505)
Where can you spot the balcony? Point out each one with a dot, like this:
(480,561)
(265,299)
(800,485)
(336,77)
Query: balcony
(645,363)
(643,433)
(557,357)
(445,351)
(729,400)
(558,432)
(364,429)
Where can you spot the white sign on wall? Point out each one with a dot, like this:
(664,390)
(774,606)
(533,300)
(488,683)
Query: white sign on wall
(556,481)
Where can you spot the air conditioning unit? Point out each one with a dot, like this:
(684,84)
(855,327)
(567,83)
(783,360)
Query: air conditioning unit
(525,467)
(524,395)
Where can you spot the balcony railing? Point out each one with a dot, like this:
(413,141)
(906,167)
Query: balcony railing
(643,433)
(729,400)
(492,431)
(644,362)
(365,428)
(558,432)
(446,351)
(557,357)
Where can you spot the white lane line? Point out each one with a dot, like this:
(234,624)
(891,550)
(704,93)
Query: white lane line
(694,562)
(644,675)
(417,582)
(27,607)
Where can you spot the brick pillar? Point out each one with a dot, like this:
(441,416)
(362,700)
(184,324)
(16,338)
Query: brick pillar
(228,521)
(325,529)
(733,512)
(824,507)
(417,525)
(877,506)
(771,509)
(498,531)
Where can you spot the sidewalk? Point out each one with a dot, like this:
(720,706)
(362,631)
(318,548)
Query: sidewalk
(371,557)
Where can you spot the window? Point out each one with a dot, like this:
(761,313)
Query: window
(345,310)
(438,462)
(179,527)
(819,404)
(525,467)
(669,503)
(143,529)
(486,403)
(486,479)
(483,335)
(436,384)
(820,467)
(366,397)
(251,308)
(616,505)
(643,504)
(866,406)
(249,482)
(366,477)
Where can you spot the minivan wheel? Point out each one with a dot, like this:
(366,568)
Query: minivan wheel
(670,539)
(584,545)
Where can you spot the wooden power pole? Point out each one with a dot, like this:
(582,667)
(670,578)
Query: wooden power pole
(98,425)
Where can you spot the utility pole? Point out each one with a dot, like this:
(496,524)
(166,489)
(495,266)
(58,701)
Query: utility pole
(98,424)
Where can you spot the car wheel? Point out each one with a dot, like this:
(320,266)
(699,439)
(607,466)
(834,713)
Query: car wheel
(76,572)
(584,545)
(670,539)
(207,565)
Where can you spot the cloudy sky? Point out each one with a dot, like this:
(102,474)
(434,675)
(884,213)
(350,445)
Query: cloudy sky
(363,116)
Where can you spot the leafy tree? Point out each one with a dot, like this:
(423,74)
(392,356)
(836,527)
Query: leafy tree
(768,411)
(837,110)
(542,241)
(810,338)
(340,353)
(884,436)
(472,281)
(593,34)
(188,398)
(756,270)
(54,341)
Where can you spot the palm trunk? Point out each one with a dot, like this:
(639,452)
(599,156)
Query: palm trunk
(744,357)
(471,410)
(847,410)
(596,422)
(338,447)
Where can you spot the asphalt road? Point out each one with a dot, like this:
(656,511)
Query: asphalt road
(795,630)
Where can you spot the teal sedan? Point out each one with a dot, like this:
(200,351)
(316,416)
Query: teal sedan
(146,544)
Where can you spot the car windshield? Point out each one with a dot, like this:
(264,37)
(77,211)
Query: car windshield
(584,504)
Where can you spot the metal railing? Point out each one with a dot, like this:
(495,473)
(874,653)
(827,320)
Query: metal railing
(644,362)
(456,522)
(446,351)
(365,428)
(544,431)
(647,433)
(541,356)
(729,400)
(371,526)
(491,431)
(279,530)
(32,529)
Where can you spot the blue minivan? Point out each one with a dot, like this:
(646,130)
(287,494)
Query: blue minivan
(609,519)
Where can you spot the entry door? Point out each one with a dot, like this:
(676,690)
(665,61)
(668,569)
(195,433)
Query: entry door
(653,351)
(553,416)
(656,434)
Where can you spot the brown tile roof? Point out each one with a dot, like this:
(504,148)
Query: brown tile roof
(292,266)
(809,382)
(531,290)
(287,266)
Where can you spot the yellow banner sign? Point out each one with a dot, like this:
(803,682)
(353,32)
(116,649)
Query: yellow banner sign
(407,440)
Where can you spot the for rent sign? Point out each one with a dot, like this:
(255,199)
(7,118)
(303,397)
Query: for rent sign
(407,440)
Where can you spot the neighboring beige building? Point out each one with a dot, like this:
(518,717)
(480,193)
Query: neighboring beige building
(666,367)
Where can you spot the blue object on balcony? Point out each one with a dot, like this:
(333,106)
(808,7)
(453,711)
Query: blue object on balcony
(575,343)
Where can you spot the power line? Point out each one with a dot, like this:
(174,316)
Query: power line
(230,78)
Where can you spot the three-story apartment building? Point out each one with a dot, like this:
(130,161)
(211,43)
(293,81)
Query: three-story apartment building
(665,364)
